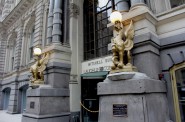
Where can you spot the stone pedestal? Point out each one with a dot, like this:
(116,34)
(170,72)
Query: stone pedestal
(47,104)
(134,98)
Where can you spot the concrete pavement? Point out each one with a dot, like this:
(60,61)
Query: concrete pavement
(5,117)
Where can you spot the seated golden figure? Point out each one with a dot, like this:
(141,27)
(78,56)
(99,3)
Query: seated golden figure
(122,43)
(38,68)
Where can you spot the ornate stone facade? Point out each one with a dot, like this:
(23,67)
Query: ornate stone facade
(58,27)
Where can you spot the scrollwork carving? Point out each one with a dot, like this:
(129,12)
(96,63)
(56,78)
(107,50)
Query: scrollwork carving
(74,10)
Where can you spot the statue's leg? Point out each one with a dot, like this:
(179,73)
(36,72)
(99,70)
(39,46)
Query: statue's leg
(129,57)
(113,67)
(42,76)
(121,54)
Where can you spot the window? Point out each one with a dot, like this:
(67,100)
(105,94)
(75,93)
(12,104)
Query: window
(96,34)
(178,87)
(10,52)
(31,43)
(175,3)
(12,57)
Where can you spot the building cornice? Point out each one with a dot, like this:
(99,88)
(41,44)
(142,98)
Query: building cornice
(17,12)
(171,15)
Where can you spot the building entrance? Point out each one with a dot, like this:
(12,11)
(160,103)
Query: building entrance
(6,96)
(178,87)
(90,100)
(180,81)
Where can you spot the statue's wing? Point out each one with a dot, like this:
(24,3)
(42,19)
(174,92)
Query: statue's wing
(43,62)
(129,34)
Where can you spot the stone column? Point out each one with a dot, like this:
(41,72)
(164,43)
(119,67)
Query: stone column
(121,5)
(39,13)
(57,22)
(50,22)
(134,2)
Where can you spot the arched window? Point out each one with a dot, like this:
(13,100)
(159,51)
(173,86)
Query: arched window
(178,86)
(10,53)
(12,56)
(31,41)
(28,41)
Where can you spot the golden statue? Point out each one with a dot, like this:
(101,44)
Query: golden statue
(38,68)
(122,43)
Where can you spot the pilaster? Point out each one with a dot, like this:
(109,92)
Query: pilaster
(3,53)
(39,13)
(76,43)
(13,101)
(18,47)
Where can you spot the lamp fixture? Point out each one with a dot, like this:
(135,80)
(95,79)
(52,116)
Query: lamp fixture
(37,51)
(115,16)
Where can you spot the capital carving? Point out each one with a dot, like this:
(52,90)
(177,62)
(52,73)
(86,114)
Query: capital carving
(74,10)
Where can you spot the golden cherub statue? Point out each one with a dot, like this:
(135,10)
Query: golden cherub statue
(122,43)
(38,68)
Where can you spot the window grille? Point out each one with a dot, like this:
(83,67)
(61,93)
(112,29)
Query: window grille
(96,34)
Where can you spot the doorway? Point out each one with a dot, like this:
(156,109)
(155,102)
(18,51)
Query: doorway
(6,97)
(90,99)
(178,85)
(22,93)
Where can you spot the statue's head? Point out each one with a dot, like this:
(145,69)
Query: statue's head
(118,25)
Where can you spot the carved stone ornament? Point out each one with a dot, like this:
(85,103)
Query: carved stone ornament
(74,10)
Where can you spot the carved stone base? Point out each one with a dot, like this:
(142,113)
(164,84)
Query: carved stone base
(36,83)
(136,99)
(47,104)
(128,68)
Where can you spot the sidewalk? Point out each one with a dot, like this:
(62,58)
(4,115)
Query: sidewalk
(5,117)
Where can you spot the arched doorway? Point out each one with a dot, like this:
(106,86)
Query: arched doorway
(178,86)
(6,97)
(22,98)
